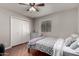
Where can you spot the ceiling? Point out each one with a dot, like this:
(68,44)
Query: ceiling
(46,10)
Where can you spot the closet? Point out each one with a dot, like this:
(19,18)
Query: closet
(20,31)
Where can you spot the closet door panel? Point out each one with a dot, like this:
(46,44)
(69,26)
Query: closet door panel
(15,31)
(19,31)
(25,31)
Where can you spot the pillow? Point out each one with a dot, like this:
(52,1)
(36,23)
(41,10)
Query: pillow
(74,45)
(69,41)
(74,35)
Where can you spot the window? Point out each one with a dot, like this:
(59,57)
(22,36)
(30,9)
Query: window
(46,26)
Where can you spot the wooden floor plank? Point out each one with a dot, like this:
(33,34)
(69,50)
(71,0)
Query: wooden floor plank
(22,50)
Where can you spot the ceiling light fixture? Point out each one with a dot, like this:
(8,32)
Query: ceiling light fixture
(32,9)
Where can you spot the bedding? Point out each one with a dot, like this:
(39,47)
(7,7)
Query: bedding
(71,39)
(74,45)
(67,51)
(32,42)
(73,48)
(77,50)
(58,46)
(45,45)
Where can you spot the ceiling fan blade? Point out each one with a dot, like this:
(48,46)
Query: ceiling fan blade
(36,9)
(22,3)
(41,4)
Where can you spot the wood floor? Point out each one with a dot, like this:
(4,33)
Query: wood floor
(22,50)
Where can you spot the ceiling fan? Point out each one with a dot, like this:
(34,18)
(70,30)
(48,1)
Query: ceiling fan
(33,6)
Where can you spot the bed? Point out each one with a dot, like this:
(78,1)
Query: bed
(55,46)
(43,44)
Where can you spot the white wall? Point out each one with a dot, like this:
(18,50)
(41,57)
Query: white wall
(64,23)
(5,17)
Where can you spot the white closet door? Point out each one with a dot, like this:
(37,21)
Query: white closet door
(19,32)
(25,31)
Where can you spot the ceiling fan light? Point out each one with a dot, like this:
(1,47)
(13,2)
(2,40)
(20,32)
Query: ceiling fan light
(32,9)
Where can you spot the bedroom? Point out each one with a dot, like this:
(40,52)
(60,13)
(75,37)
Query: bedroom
(41,27)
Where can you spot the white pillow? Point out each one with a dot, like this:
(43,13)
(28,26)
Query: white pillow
(74,45)
(69,41)
(74,35)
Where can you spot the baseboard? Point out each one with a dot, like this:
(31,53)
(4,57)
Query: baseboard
(13,46)
(8,47)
